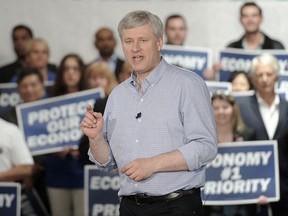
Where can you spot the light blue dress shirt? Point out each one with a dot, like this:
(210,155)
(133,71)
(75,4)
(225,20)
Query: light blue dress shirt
(111,62)
(176,113)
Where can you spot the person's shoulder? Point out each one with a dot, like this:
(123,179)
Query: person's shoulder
(244,98)
(10,116)
(120,87)
(248,133)
(244,102)
(119,60)
(7,66)
(179,73)
(8,70)
(14,65)
(277,44)
(283,101)
(52,67)
(272,43)
(8,127)
(235,44)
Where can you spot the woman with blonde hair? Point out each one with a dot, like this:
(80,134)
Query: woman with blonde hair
(37,56)
(229,123)
(230,128)
(98,75)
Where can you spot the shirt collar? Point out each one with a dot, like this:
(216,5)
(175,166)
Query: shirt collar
(154,77)
(259,47)
(261,101)
(112,58)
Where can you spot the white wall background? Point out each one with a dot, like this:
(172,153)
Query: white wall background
(69,25)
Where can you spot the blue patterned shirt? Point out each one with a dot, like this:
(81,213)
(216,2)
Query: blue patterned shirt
(176,113)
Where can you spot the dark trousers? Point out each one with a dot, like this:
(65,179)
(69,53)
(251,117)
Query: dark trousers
(186,205)
(280,208)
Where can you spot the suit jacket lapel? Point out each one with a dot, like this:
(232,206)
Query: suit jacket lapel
(282,118)
(255,107)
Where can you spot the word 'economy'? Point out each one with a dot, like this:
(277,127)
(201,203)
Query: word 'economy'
(241,159)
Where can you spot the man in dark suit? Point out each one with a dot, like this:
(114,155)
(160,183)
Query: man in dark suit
(105,42)
(21,34)
(267,114)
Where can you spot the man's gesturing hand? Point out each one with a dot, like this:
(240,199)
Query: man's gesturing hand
(139,169)
(92,123)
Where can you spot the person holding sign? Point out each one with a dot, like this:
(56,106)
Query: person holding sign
(240,81)
(251,18)
(230,128)
(254,39)
(30,85)
(37,56)
(267,114)
(16,162)
(158,127)
(229,123)
(64,172)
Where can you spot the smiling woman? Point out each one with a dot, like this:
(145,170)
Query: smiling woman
(229,123)
(230,128)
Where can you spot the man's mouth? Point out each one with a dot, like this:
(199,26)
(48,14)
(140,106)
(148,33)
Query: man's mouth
(137,58)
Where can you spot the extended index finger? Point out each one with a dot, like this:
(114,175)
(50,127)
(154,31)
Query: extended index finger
(89,108)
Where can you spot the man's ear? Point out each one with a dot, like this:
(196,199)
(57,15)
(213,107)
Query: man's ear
(159,43)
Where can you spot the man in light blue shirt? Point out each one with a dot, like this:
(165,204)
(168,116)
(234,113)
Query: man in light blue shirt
(158,127)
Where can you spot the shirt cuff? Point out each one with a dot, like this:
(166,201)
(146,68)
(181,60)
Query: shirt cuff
(98,164)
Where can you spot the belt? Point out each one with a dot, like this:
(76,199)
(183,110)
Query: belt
(146,199)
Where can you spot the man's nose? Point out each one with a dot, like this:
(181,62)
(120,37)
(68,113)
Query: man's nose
(136,46)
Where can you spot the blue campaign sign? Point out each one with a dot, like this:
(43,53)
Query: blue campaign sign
(9,97)
(191,58)
(282,85)
(10,198)
(242,172)
(240,60)
(51,124)
(101,192)
(215,86)
(282,94)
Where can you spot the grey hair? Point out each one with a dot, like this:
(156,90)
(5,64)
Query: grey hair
(139,18)
(265,59)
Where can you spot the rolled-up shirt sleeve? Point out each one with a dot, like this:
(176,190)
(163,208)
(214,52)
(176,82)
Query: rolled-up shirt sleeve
(109,165)
(199,125)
